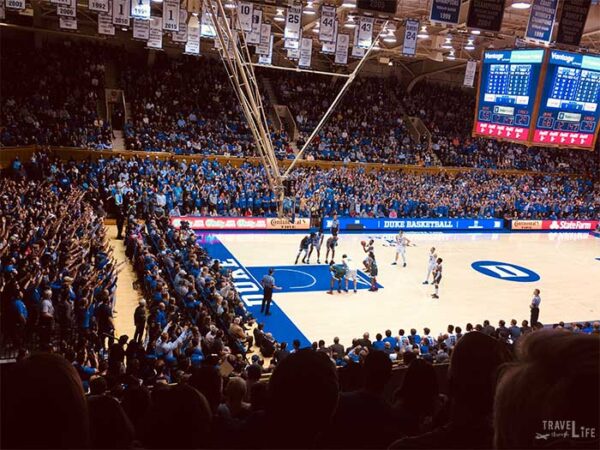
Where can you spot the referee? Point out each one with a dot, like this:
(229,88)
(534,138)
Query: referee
(268,284)
(535,307)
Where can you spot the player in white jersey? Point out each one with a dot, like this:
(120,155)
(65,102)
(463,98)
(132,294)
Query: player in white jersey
(430,264)
(401,243)
(351,272)
(437,277)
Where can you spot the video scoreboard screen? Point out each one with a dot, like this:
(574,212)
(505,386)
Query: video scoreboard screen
(569,113)
(507,94)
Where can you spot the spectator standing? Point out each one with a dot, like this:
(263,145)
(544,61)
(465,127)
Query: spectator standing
(535,307)
(139,318)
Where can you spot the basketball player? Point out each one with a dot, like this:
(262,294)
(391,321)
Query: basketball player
(351,272)
(373,271)
(335,225)
(337,274)
(430,264)
(304,244)
(437,277)
(401,243)
(368,248)
(331,245)
(316,240)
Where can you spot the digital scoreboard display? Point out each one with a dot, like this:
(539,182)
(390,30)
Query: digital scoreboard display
(568,112)
(507,92)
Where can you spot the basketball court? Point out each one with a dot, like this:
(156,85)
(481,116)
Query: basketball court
(486,276)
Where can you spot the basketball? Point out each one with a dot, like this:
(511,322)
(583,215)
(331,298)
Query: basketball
(363,243)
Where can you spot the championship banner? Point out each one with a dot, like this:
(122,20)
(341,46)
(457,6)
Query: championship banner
(99,5)
(140,9)
(293,22)
(409,46)
(155,34)
(192,46)
(293,54)
(554,225)
(305,53)
(327,24)
(245,16)
(181,35)
(141,29)
(253,36)
(105,24)
(265,39)
(365,32)
(15,4)
(541,20)
(470,71)
(267,59)
(68,10)
(67,23)
(357,52)
(572,21)
(240,223)
(120,12)
(207,29)
(328,48)
(445,11)
(486,14)
(170,18)
(61,2)
(341,49)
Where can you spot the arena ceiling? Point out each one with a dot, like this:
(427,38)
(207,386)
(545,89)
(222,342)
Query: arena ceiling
(431,54)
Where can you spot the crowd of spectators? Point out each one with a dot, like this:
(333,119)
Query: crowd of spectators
(51,95)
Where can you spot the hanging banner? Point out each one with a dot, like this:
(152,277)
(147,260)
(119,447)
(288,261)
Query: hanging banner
(2,10)
(140,9)
(470,74)
(291,44)
(68,10)
(207,29)
(305,52)
(141,29)
(267,59)
(365,32)
(67,23)
(409,48)
(541,20)
(445,11)
(15,4)
(265,39)
(253,36)
(170,18)
(327,24)
(99,5)
(181,35)
(121,10)
(486,14)
(155,34)
(328,48)
(357,52)
(293,22)
(61,2)
(293,54)
(192,46)
(245,16)
(341,49)
(105,24)
(572,21)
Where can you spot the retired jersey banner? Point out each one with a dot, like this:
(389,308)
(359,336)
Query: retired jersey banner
(253,36)
(572,21)
(245,16)
(99,5)
(293,22)
(68,10)
(470,71)
(67,23)
(486,14)
(192,46)
(120,12)
(365,32)
(170,18)
(445,11)
(409,47)
(268,58)
(327,24)
(141,29)
(265,39)
(328,48)
(357,52)
(140,9)
(155,34)
(541,20)
(341,49)
(207,28)
(305,53)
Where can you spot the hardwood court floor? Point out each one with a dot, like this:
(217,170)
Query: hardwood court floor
(568,265)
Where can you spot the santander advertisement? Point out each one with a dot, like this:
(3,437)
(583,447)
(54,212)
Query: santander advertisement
(555,225)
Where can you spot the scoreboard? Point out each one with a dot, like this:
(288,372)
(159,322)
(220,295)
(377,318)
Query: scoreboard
(569,113)
(507,93)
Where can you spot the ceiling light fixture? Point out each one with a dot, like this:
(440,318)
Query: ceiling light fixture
(451,56)
(520,4)
(309,10)
(279,16)
(470,45)
(423,34)
(350,22)
(447,43)
(349,4)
